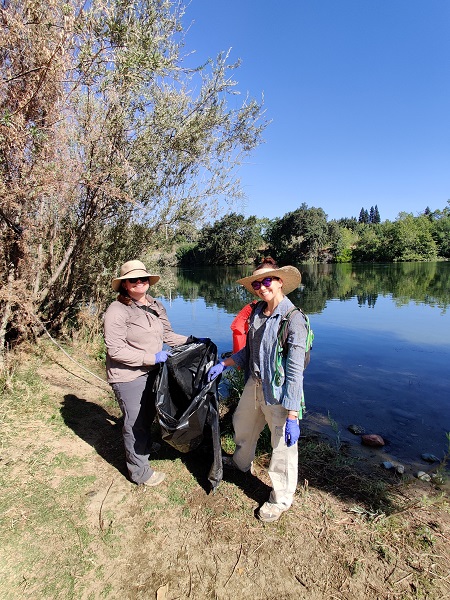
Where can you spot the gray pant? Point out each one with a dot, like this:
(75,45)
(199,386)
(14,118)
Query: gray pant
(137,403)
(249,419)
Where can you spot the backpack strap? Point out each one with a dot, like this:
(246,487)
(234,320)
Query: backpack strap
(148,309)
(282,350)
(284,330)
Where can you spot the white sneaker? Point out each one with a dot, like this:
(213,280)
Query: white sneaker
(270,512)
(155,479)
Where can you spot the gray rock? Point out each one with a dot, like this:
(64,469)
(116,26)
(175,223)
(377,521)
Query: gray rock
(356,429)
(387,465)
(400,469)
(423,476)
(431,458)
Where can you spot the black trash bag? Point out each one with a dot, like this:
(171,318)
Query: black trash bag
(186,402)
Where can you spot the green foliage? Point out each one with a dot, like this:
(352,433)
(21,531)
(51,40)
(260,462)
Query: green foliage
(235,381)
(232,240)
(363,216)
(440,230)
(127,156)
(372,216)
(186,253)
(299,235)
(411,239)
(343,244)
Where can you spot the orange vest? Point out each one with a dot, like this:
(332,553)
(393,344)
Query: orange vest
(239,326)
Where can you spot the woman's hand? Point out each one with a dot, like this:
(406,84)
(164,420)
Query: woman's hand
(161,357)
(292,432)
(215,371)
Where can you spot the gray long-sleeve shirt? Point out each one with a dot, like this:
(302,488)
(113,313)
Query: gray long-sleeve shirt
(133,336)
(290,392)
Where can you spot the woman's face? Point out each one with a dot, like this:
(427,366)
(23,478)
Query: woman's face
(272,291)
(136,289)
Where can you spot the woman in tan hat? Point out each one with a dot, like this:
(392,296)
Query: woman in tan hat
(266,398)
(136,326)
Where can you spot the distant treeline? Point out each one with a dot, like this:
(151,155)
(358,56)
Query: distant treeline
(305,235)
(427,283)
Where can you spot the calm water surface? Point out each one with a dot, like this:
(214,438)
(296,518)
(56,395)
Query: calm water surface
(381,355)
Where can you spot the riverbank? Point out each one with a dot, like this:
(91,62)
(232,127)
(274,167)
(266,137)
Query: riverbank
(73,526)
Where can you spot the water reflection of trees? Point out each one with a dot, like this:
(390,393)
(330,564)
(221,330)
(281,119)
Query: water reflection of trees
(427,283)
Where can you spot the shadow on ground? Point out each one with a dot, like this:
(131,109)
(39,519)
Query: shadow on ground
(320,464)
(96,426)
(103,431)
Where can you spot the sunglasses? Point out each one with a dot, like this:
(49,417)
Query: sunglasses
(136,279)
(266,282)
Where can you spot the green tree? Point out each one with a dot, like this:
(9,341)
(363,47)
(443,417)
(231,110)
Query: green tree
(374,215)
(411,238)
(440,231)
(363,216)
(345,242)
(299,235)
(348,222)
(368,246)
(232,240)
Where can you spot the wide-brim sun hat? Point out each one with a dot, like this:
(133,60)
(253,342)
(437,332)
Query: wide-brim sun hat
(290,275)
(131,269)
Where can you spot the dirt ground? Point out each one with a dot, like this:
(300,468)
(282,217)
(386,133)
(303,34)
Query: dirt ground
(111,539)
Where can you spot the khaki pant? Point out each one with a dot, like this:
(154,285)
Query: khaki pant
(249,419)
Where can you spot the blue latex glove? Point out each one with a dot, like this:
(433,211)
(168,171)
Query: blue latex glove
(203,340)
(215,371)
(161,357)
(292,432)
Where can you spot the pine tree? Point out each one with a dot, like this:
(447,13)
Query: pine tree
(377,218)
(361,218)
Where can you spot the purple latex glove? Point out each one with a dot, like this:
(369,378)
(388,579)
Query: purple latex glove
(215,371)
(161,356)
(292,432)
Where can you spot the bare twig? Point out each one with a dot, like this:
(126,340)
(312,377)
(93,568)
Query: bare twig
(235,566)
(100,518)
(403,578)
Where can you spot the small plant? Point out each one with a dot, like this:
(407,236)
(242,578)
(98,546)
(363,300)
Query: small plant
(335,428)
(234,381)
(425,537)
(441,471)
(228,444)
(354,567)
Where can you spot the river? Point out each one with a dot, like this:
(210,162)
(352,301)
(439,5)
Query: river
(381,354)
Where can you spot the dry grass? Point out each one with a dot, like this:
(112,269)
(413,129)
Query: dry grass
(72,525)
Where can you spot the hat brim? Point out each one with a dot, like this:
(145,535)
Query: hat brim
(116,282)
(290,276)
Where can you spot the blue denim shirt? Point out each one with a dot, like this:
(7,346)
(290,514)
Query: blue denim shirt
(290,392)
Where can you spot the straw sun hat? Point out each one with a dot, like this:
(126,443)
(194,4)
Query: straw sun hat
(290,275)
(130,269)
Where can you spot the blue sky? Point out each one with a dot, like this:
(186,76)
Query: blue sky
(358,92)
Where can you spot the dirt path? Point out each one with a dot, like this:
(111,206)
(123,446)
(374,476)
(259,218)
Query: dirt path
(106,538)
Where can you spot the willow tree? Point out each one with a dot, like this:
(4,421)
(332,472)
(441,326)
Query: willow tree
(106,139)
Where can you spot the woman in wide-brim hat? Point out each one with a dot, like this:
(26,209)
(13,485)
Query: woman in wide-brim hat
(276,401)
(136,327)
